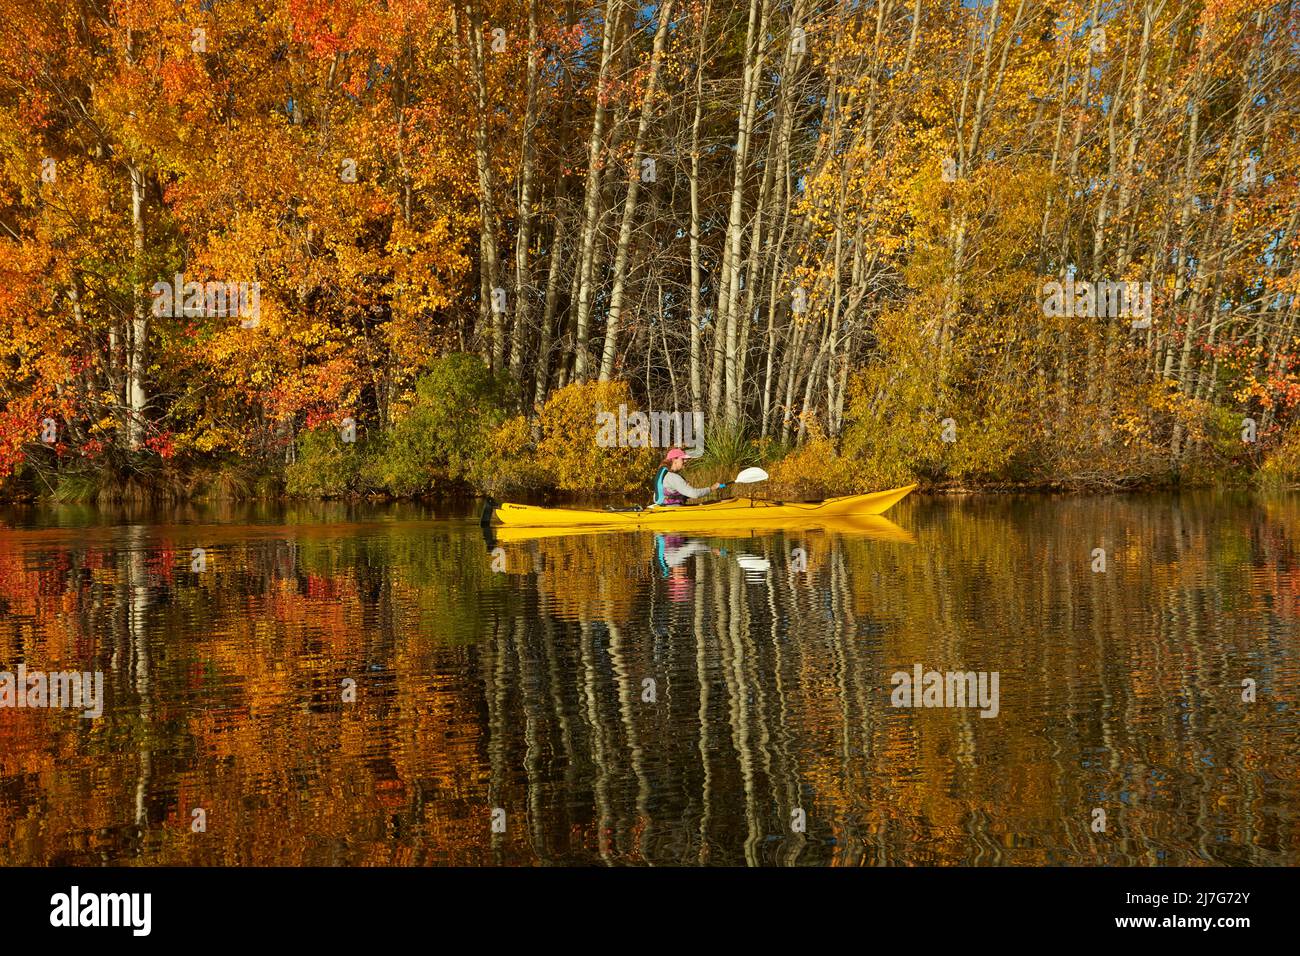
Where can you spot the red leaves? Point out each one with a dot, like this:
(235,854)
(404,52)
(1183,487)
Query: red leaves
(162,444)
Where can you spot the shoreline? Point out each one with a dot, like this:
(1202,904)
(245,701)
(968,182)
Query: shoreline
(940,490)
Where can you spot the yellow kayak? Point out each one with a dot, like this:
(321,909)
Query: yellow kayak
(870,527)
(734,512)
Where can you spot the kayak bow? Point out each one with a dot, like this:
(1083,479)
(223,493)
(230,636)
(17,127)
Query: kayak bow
(746,512)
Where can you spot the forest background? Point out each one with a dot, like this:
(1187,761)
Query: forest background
(337,247)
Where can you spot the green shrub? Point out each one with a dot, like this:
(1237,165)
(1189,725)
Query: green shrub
(727,449)
(458,404)
(76,487)
(326,465)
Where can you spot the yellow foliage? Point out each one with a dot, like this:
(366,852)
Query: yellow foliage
(1282,466)
(812,471)
(569,451)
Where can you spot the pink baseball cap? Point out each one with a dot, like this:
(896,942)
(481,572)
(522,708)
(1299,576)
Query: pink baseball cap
(675,454)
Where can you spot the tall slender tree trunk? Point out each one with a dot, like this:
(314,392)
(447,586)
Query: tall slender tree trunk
(629,202)
(138,354)
(523,234)
(543,363)
(697,315)
(591,202)
(729,294)
(490,266)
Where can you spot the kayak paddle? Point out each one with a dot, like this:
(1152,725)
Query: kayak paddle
(747,477)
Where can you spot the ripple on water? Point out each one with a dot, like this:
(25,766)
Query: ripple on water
(367,687)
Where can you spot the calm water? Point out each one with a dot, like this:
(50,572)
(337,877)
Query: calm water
(629,699)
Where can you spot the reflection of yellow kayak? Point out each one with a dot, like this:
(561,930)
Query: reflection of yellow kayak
(738,513)
(872,527)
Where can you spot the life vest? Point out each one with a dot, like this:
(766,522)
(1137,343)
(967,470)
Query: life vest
(666,497)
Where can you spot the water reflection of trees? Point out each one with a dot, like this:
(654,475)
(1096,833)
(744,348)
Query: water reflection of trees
(524,690)
(1111,699)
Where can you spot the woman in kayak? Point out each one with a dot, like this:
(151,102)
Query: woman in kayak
(670,487)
